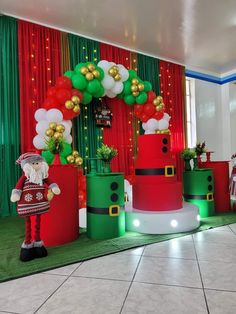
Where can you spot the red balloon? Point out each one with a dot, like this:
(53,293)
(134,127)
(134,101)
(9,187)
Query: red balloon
(149,109)
(52,91)
(151,96)
(144,117)
(63,95)
(76,92)
(63,82)
(68,114)
(51,102)
(138,109)
(158,115)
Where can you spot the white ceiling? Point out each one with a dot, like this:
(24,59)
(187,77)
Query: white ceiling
(200,34)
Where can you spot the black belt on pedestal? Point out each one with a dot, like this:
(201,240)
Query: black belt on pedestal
(168,171)
(208,197)
(113,210)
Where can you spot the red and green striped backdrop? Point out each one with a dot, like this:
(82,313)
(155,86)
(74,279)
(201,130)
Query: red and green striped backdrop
(41,55)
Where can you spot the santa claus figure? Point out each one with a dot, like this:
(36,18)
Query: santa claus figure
(33,192)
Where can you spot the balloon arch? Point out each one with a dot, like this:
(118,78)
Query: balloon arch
(78,87)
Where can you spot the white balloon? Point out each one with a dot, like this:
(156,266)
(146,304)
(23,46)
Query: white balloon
(144,126)
(152,124)
(40,114)
(69,122)
(166,116)
(149,132)
(110,94)
(163,124)
(54,115)
(39,142)
(123,72)
(108,82)
(68,139)
(118,88)
(41,127)
(104,64)
(67,128)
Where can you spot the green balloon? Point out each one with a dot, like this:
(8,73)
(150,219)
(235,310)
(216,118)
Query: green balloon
(100,93)
(87,98)
(129,99)
(100,70)
(132,74)
(69,74)
(79,66)
(127,88)
(142,98)
(147,86)
(121,95)
(93,86)
(63,160)
(67,150)
(79,81)
(48,156)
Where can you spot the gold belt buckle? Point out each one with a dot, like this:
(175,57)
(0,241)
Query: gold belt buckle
(210,197)
(111,210)
(172,171)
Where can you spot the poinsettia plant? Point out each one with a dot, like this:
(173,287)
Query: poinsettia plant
(106,153)
(200,148)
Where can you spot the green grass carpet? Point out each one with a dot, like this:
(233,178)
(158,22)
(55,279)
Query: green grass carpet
(12,234)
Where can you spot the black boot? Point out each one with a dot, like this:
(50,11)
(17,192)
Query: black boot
(40,250)
(26,254)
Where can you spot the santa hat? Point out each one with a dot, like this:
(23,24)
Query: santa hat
(29,158)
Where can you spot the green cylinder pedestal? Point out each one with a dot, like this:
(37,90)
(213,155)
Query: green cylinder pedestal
(105,206)
(198,188)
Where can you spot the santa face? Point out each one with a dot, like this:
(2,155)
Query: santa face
(36,171)
(36,165)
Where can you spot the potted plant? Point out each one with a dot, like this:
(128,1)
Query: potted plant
(106,153)
(187,154)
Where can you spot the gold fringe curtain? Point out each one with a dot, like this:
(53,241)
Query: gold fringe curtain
(65,53)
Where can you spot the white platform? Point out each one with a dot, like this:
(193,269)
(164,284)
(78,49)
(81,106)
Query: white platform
(162,222)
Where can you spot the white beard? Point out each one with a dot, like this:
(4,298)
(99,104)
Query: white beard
(36,176)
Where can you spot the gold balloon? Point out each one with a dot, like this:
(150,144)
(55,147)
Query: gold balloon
(158,108)
(162,105)
(91,67)
(76,108)
(78,161)
(158,132)
(84,70)
(76,100)
(49,132)
(57,135)
(115,68)
(89,76)
(117,77)
(112,72)
(70,159)
(140,87)
(135,81)
(155,102)
(96,73)
(75,153)
(134,88)
(60,128)
(159,98)
(135,94)
(52,125)
(69,104)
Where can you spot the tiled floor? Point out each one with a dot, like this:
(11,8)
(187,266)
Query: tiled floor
(192,274)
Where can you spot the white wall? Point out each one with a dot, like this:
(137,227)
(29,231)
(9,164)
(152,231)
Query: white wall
(208,116)
(232,106)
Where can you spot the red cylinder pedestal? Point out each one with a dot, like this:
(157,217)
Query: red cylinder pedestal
(221,184)
(61,224)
